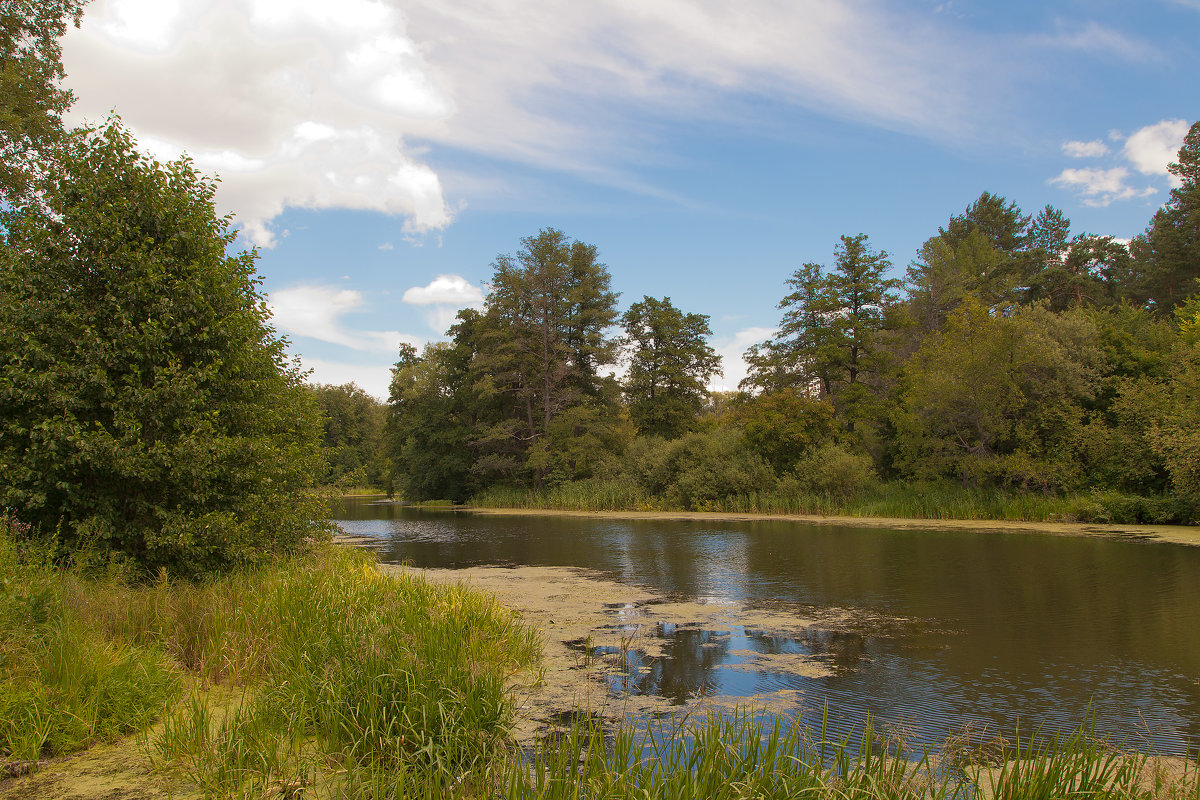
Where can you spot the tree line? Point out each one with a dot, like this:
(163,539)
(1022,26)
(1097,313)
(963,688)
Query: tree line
(1014,356)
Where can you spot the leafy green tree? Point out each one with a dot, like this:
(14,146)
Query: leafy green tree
(1175,435)
(945,274)
(146,405)
(1081,274)
(31,101)
(669,368)
(829,341)
(430,423)
(999,399)
(784,426)
(352,435)
(537,349)
(1167,255)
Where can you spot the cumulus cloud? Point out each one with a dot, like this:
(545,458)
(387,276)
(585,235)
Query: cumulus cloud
(310,104)
(732,350)
(443,297)
(1092,149)
(1100,187)
(1153,147)
(295,103)
(317,312)
(373,378)
(1148,150)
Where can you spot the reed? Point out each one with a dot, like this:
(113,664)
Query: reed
(747,756)
(898,499)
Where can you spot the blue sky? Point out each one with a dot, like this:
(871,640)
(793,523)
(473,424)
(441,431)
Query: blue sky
(381,153)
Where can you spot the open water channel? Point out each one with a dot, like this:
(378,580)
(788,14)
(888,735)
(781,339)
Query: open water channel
(937,629)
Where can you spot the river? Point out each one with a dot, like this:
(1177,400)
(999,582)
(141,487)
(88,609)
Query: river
(935,629)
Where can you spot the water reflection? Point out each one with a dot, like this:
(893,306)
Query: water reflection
(946,627)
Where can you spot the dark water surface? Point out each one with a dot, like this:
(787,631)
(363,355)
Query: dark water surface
(954,627)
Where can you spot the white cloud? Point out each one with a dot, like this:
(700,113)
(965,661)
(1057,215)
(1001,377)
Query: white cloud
(374,378)
(1100,187)
(444,296)
(1092,149)
(1153,147)
(732,349)
(316,312)
(1148,150)
(304,103)
(386,246)
(294,103)
(448,289)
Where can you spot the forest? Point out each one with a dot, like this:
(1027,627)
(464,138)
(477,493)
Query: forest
(1018,369)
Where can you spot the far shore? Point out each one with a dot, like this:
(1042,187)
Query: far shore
(1178,534)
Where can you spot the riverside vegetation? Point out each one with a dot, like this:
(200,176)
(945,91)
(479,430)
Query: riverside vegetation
(1018,371)
(163,565)
(320,676)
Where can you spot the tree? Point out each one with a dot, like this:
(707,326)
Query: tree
(146,405)
(538,346)
(999,399)
(829,337)
(430,422)
(31,102)
(352,435)
(669,368)
(1168,253)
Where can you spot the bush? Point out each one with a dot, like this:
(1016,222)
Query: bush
(835,473)
(146,406)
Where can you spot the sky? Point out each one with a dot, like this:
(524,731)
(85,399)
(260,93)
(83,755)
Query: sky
(381,153)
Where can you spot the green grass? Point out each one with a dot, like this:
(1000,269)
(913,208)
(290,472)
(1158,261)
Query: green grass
(901,500)
(744,756)
(333,673)
(64,683)
(322,676)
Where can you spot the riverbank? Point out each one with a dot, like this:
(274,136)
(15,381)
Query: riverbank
(329,676)
(1177,534)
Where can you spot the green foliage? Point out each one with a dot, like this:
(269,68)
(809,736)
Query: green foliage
(1168,253)
(537,347)
(833,472)
(669,367)
(785,425)
(31,100)
(699,471)
(358,676)
(829,339)
(430,423)
(63,684)
(998,399)
(145,403)
(1175,435)
(352,436)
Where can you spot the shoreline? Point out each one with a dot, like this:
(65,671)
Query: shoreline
(1174,534)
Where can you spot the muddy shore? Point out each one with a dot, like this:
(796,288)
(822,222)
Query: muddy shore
(1176,534)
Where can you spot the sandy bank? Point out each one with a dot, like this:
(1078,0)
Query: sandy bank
(1178,534)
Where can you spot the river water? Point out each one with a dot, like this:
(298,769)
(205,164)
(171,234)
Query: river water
(948,628)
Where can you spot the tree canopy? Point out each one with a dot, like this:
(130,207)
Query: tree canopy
(669,367)
(146,405)
(31,100)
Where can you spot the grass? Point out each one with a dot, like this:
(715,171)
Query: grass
(321,676)
(331,673)
(744,756)
(901,500)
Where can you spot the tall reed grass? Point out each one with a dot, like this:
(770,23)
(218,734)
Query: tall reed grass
(900,500)
(334,669)
(731,757)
